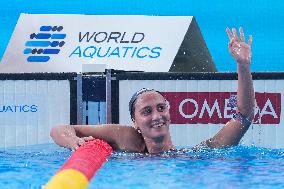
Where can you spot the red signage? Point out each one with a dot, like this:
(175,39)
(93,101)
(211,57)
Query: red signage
(213,107)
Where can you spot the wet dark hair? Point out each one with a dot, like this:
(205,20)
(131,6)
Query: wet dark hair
(134,98)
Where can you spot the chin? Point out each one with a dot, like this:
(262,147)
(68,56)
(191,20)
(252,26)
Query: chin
(161,134)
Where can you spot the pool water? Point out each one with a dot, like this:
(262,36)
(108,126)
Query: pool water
(237,167)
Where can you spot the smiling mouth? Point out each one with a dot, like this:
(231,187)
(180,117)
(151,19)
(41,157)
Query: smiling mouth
(158,125)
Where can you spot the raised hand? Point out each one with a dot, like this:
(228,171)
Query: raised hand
(239,49)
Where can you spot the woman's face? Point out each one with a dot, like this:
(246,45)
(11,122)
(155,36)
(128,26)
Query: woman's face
(151,115)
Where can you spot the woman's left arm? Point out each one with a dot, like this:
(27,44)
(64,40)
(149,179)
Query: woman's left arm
(234,130)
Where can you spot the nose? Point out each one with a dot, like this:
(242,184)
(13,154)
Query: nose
(156,115)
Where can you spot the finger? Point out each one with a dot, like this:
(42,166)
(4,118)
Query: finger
(235,35)
(250,40)
(74,148)
(232,42)
(230,35)
(81,141)
(242,35)
(88,138)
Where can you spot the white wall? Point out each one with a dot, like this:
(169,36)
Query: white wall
(29,109)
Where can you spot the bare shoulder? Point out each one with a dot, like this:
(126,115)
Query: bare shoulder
(127,138)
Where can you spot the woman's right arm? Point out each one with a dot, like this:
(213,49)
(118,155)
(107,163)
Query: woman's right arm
(72,137)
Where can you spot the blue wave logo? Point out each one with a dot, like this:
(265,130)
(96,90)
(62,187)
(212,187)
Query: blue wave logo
(42,45)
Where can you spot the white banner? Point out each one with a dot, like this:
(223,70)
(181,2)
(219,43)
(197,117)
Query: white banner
(63,43)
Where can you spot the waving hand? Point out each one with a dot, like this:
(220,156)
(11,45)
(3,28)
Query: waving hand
(239,49)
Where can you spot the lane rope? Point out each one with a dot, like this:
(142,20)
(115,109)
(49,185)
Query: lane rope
(80,168)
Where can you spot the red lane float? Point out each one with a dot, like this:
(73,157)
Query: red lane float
(79,169)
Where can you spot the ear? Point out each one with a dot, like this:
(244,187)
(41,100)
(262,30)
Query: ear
(136,126)
(167,103)
(134,123)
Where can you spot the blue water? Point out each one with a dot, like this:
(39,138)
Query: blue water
(261,18)
(238,167)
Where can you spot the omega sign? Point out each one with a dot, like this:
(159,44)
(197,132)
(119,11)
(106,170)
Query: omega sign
(212,107)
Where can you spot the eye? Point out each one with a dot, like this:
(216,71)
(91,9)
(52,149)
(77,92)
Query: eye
(147,111)
(161,107)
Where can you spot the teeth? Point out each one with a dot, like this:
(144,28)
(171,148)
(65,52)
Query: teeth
(158,125)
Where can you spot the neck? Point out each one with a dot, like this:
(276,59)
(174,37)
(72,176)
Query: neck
(159,145)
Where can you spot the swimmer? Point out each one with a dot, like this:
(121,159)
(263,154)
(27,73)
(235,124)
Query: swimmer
(149,112)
